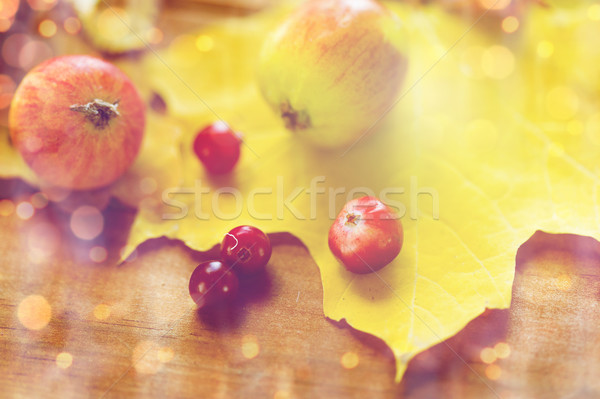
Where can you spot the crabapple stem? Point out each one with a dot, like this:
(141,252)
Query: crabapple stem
(98,112)
(352,218)
(294,120)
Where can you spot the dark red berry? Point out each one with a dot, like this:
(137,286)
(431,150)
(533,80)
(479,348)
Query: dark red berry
(218,148)
(247,249)
(212,283)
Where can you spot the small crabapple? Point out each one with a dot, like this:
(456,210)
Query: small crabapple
(366,235)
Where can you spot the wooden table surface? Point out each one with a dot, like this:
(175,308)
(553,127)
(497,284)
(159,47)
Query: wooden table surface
(70,327)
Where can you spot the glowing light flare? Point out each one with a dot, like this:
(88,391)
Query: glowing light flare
(494,4)
(165,354)
(41,5)
(470,62)
(493,372)
(204,43)
(7,207)
(25,210)
(47,28)
(349,360)
(98,254)
(64,360)
(502,350)
(545,49)
(145,358)
(498,62)
(593,12)
(282,395)
(5,24)
(250,347)
(34,312)
(113,24)
(12,48)
(180,49)
(562,103)
(87,222)
(72,25)
(488,355)
(102,312)
(43,241)
(33,53)
(510,24)
(39,200)
(148,185)
(8,8)
(155,35)
(575,127)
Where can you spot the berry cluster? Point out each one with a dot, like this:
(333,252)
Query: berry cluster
(245,250)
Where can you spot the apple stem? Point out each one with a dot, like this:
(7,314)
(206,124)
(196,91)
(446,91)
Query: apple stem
(352,218)
(293,119)
(98,112)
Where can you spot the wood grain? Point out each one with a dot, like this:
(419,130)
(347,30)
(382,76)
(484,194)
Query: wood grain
(274,342)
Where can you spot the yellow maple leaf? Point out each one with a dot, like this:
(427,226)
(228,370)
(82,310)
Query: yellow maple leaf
(490,142)
(465,156)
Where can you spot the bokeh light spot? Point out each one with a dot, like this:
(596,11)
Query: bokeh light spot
(34,312)
(545,49)
(113,24)
(165,354)
(41,5)
(250,347)
(493,372)
(204,43)
(47,28)
(494,4)
(145,358)
(510,24)
(72,25)
(562,103)
(148,185)
(470,62)
(64,360)
(282,395)
(33,53)
(102,312)
(8,8)
(39,200)
(502,350)
(594,12)
(498,62)
(98,254)
(25,210)
(349,360)
(43,240)
(87,222)
(5,24)
(155,36)
(7,207)
(12,48)
(488,355)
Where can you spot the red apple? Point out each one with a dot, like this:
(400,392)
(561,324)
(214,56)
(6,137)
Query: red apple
(366,236)
(77,121)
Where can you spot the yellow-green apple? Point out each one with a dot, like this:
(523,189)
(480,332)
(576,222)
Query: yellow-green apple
(78,122)
(333,68)
(366,235)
